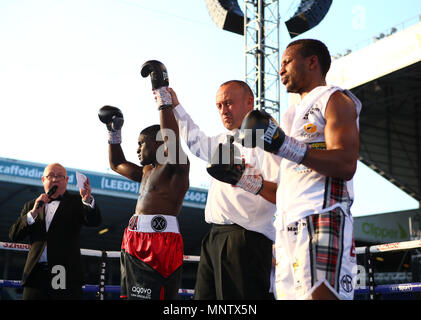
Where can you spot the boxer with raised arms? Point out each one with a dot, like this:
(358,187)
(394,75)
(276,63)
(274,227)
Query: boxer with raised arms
(152,246)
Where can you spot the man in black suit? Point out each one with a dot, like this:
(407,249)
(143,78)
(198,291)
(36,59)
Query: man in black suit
(53,221)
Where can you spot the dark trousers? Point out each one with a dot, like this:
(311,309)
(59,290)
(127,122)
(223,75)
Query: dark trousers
(235,263)
(38,287)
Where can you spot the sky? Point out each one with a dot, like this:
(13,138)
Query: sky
(62,60)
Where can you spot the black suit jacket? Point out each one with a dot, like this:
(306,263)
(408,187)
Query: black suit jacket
(63,236)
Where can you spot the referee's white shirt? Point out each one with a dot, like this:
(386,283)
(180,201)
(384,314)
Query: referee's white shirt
(227,204)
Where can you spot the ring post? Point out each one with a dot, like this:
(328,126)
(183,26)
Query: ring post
(101,287)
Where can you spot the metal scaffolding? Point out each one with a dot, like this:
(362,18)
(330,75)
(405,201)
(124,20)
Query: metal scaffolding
(262,60)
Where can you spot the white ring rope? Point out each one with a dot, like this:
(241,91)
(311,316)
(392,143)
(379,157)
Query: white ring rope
(85,252)
(396,246)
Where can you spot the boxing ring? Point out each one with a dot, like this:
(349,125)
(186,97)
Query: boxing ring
(365,284)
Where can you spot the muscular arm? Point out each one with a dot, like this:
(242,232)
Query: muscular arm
(339,160)
(170,134)
(119,164)
(268,191)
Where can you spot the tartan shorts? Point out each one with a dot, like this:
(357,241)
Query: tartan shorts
(314,250)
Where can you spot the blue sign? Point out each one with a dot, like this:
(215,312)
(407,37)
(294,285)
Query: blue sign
(196,196)
(32,172)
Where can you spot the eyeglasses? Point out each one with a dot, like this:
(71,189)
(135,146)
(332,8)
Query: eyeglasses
(52,177)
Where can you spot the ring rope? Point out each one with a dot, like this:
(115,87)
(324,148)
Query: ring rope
(387,247)
(368,250)
(85,252)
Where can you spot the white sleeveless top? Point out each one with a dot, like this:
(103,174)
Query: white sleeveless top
(302,191)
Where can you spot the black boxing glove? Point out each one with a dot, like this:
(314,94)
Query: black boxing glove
(226,165)
(158,72)
(260,129)
(113,118)
(159,79)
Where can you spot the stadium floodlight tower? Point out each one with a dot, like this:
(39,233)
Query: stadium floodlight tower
(260,25)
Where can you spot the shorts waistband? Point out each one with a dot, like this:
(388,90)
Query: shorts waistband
(153,223)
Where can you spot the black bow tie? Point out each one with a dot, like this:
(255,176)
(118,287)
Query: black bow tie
(59,198)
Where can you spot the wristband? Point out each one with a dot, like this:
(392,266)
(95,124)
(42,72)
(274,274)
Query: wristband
(114,137)
(251,182)
(292,150)
(164,98)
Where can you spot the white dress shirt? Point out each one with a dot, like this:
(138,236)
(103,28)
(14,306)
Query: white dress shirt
(50,210)
(227,204)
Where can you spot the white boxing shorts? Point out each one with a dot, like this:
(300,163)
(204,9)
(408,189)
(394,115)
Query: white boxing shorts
(314,250)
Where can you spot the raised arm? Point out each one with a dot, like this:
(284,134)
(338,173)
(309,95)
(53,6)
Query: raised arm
(113,118)
(119,164)
(169,128)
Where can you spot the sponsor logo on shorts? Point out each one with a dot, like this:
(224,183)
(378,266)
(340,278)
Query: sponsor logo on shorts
(295,265)
(159,223)
(297,227)
(346,283)
(140,292)
(293,228)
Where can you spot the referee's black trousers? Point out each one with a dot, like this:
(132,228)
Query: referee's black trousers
(235,264)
